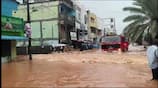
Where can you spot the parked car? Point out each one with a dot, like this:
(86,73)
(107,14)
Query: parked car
(89,44)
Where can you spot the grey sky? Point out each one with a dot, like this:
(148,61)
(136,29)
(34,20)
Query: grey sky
(107,9)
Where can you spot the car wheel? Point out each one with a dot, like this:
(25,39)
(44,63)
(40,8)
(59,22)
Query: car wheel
(125,49)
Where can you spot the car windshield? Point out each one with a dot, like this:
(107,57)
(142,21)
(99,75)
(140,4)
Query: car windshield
(111,39)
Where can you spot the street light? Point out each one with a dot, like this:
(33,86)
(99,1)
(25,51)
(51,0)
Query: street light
(28,21)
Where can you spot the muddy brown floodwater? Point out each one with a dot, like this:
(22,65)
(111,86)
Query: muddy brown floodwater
(86,69)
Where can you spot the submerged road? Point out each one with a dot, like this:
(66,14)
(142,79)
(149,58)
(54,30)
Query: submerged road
(92,68)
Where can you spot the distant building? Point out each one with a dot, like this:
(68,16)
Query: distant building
(107,25)
(101,26)
(93,30)
(84,23)
(12,29)
(81,21)
(78,20)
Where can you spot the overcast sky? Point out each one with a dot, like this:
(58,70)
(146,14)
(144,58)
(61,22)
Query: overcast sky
(108,9)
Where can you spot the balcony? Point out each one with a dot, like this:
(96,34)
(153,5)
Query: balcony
(67,19)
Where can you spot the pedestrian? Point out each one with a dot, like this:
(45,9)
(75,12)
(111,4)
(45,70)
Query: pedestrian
(152,55)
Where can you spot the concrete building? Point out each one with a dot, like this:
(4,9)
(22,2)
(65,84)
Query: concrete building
(52,21)
(12,29)
(84,23)
(81,24)
(78,20)
(101,26)
(93,31)
(81,21)
(109,25)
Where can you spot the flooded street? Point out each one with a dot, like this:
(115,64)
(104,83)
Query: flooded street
(92,68)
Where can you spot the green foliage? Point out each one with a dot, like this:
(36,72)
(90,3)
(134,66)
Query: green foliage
(144,17)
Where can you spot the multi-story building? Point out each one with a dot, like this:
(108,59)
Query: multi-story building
(81,21)
(12,29)
(109,25)
(93,30)
(101,26)
(51,21)
(67,20)
(84,24)
(78,20)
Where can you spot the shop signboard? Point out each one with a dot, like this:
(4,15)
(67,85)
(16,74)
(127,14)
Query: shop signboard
(73,35)
(12,26)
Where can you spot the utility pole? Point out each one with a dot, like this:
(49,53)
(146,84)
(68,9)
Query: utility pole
(114,25)
(104,31)
(28,21)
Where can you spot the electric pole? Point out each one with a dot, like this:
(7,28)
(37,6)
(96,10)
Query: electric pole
(29,35)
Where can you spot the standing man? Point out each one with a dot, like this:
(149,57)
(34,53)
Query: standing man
(152,55)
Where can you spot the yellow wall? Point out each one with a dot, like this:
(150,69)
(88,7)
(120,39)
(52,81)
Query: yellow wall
(92,24)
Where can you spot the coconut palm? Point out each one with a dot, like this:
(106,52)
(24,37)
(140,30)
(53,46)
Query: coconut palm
(143,20)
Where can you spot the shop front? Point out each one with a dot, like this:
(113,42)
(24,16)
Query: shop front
(12,29)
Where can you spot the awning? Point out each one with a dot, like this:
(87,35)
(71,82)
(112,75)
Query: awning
(13,38)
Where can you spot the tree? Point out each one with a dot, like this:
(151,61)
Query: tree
(143,21)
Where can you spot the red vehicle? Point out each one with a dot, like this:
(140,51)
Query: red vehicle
(114,43)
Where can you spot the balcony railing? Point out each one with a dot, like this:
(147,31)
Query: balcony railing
(66,18)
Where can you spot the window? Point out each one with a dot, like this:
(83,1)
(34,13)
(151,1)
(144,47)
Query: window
(93,30)
(61,10)
(85,19)
(111,39)
(79,16)
(92,20)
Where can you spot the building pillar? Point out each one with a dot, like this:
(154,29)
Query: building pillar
(89,33)
(13,49)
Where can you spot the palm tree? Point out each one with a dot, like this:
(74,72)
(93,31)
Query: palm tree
(143,20)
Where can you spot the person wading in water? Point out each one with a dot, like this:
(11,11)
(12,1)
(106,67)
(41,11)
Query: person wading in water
(152,56)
